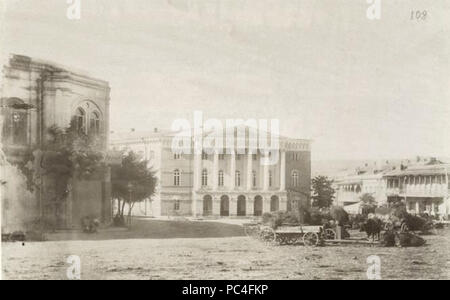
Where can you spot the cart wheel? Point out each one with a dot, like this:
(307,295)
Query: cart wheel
(330,234)
(311,239)
(268,235)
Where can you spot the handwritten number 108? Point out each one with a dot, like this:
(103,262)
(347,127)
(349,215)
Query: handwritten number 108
(418,15)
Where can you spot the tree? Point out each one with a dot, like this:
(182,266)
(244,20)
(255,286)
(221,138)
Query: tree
(132,182)
(367,198)
(65,155)
(340,215)
(368,204)
(323,192)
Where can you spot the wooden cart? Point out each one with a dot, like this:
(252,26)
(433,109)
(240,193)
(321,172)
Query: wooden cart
(290,234)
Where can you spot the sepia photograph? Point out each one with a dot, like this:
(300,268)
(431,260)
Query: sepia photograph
(225,140)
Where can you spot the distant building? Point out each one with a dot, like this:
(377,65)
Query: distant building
(350,188)
(36,95)
(221,184)
(422,183)
(424,188)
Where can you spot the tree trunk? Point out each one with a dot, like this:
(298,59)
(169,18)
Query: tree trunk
(118,208)
(123,208)
(130,209)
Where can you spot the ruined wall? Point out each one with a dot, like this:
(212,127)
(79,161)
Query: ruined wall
(47,95)
(20,207)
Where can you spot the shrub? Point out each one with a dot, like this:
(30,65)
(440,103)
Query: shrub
(415,223)
(356,220)
(339,215)
(276,219)
(319,217)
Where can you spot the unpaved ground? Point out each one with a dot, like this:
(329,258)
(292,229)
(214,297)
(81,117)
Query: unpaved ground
(222,258)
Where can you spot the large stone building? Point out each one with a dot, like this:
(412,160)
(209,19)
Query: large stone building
(229,184)
(36,95)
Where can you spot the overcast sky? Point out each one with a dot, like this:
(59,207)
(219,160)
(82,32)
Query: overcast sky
(359,88)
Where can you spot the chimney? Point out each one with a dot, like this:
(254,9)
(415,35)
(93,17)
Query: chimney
(133,130)
(155,130)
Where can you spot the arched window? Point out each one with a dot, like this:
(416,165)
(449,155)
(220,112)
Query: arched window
(176,156)
(220,178)
(254,178)
(237,178)
(80,120)
(94,127)
(270,179)
(204,177)
(176,177)
(294,178)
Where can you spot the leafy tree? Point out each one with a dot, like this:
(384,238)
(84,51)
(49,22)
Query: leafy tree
(339,215)
(132,182)
(323,192)
(367,198)
(66,154)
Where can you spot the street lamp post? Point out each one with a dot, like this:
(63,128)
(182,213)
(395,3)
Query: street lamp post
(130,190)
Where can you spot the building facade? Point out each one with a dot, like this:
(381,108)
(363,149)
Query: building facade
(421,183)
(424,189)
(232,183)
(36,95)
(350,189)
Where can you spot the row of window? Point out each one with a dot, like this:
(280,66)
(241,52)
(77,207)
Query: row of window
(16,122)
(205,156)
(296,156)
(439,179)
(237,177)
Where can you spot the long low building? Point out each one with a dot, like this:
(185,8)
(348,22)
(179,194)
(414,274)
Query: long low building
(233,183)
(425,189)
(422,185)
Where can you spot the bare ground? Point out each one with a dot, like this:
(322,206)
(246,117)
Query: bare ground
(221,258)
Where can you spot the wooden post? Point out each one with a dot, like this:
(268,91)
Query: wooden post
(339,232)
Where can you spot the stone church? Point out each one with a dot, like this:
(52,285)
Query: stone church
(36,95)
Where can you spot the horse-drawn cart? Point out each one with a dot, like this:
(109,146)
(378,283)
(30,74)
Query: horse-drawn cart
(290,234)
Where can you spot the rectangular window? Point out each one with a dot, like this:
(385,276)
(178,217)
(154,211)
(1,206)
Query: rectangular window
(19,133)
(221,181)
(176,205)
(270,178)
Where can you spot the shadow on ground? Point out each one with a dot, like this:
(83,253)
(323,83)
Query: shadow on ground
(156,229)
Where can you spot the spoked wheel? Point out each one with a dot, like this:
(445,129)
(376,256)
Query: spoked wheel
(268,235)
(330,234)
(311,239)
